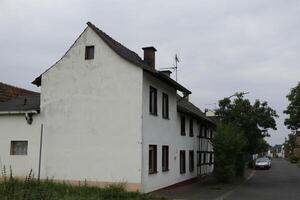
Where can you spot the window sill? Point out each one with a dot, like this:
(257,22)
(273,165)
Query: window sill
(153,114)
(182,172)
(166,118)
(183,134)
(150,173)
(166,170)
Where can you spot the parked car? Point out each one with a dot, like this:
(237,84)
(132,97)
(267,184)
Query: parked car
(263,163)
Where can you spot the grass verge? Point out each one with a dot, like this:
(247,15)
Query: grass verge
(33,189)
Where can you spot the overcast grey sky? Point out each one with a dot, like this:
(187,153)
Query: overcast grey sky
(224,46)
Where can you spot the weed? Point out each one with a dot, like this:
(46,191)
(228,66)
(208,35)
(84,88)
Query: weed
(33,189)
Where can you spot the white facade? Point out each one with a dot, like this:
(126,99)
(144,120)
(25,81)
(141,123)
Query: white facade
(15,128)
(97,126)
(90,109)
(159,131)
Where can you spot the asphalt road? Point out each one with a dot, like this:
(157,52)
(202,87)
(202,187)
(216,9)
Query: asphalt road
(282,182)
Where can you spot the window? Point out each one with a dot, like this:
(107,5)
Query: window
(182,125)
(182,162)
(165,158)
(191,128)
(208,158)
(200,131)
(18,147)
(89,52)
(152,159)
(203,158)
(211,158)
(198,158)
(205,132)
(165,106)
(153,101)
(191,159)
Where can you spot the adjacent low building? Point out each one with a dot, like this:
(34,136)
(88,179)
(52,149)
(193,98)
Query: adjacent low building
(106,116)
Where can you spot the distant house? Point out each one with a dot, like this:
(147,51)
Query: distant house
(278,151)
(105,115)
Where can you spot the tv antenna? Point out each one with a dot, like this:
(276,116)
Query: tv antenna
(176,58)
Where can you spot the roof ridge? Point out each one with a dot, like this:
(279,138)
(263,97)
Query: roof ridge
(90,24)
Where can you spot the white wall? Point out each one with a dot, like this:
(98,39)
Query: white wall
(159,131)
(15,127)
(91,111)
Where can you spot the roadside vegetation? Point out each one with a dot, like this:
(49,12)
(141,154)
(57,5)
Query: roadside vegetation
(292,122)
(228,144)
(240,134)
(33,189)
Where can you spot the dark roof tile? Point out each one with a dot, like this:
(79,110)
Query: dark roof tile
(130,56)
(187,107)
(21,103)
(8,92)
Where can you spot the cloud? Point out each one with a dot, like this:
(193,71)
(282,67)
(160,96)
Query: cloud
(224,46)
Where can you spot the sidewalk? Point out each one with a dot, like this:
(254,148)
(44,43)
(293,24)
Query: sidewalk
(202,190)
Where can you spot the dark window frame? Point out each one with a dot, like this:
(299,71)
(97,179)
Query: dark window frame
(152,168)
(153,101)
(182,162)
(191,127)
(13,143)
(165,158)
(204,158)
(89,52)
(165,106)
(182,125)
(191,161)
(211,158)
(199,158)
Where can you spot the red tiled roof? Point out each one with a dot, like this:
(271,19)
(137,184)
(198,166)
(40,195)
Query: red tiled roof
(8,92)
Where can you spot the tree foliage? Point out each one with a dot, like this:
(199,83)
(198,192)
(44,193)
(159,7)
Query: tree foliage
(228,148)
(293,109)
(290,144)
(253,119)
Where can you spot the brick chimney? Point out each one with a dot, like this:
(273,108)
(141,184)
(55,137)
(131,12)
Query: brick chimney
(149,56)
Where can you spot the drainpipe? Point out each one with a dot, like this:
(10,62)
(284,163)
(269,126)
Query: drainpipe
(40,155)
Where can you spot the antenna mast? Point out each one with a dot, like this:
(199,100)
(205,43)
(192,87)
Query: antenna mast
(174,65)
(176,62)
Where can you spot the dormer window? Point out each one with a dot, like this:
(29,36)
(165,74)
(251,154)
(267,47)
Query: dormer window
(89,52)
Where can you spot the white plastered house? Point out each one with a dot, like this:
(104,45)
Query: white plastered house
(107,116)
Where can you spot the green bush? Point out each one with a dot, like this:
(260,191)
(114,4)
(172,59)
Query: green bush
(228,148)
(293,159)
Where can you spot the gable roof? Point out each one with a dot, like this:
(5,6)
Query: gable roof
(130,56)
(21,103)
(185,106)
(8,92)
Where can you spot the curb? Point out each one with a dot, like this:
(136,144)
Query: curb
(223,196)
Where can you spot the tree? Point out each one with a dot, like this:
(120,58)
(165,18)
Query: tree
(253,119)
(228,147)
(293,109)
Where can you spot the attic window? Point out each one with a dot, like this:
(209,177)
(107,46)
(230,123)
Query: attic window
(89,52)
